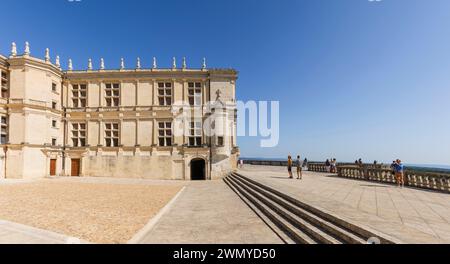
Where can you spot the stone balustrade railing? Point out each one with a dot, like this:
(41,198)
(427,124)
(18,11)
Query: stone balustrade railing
(321,167)
(312,166)
(317,167)
(378,173)
(265,162)
(413,178)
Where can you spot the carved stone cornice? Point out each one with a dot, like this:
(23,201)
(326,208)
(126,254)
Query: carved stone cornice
(119,73)
(223,74)
(26,61)
(133,75)
(31,104)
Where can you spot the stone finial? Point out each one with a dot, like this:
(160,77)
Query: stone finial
(122,63)
(47,55)
(90,65)
(174,63)
(27,49)
(204,64)
(184,63)
(154,63)
(70,66)
(57,62)
(138,63)
(102,64)
(13,49)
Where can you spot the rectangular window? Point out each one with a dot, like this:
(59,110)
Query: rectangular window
(165,94)
(78,134)
(54,87)
(54,104)
(4,130)
(54,123)
(112,94)
(220,142)
(112,134)
(4,82)
(53,142)
(79,95)
(195,93)
(195,134)
(165,134)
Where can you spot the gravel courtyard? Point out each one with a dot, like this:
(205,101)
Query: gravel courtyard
(95,211)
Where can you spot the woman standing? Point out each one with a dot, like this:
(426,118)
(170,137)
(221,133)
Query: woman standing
(328,165)
(289,164)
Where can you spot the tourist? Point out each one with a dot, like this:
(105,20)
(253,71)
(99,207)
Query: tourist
(305,163)
(393,168)
(299,168)
(399,173)
(360,163)
(241,163)
(333,166)
(328,165)
(289,165)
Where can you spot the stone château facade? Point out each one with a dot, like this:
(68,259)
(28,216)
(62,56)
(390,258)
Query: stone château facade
(115,123)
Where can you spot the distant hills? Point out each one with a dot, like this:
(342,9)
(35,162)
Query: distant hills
(429,168)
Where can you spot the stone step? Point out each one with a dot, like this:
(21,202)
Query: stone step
(334,233)
(289,233)
(362,232)
(320,226)
(280,233)
(299,224)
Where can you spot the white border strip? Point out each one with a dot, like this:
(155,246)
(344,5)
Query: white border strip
(151,224)
(45,236)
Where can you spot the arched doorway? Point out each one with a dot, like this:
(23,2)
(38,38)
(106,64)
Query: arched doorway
(198,170)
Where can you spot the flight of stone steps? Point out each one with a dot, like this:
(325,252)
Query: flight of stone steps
(296,222)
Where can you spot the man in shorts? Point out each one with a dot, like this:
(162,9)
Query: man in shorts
(299,168)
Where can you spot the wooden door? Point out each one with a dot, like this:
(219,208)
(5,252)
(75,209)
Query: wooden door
(75,167)
(52,167)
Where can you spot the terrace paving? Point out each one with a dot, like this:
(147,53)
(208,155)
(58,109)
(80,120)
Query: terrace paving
(210,213)
(408,214)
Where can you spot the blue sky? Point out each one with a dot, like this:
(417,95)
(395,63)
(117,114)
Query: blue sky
(354,78)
